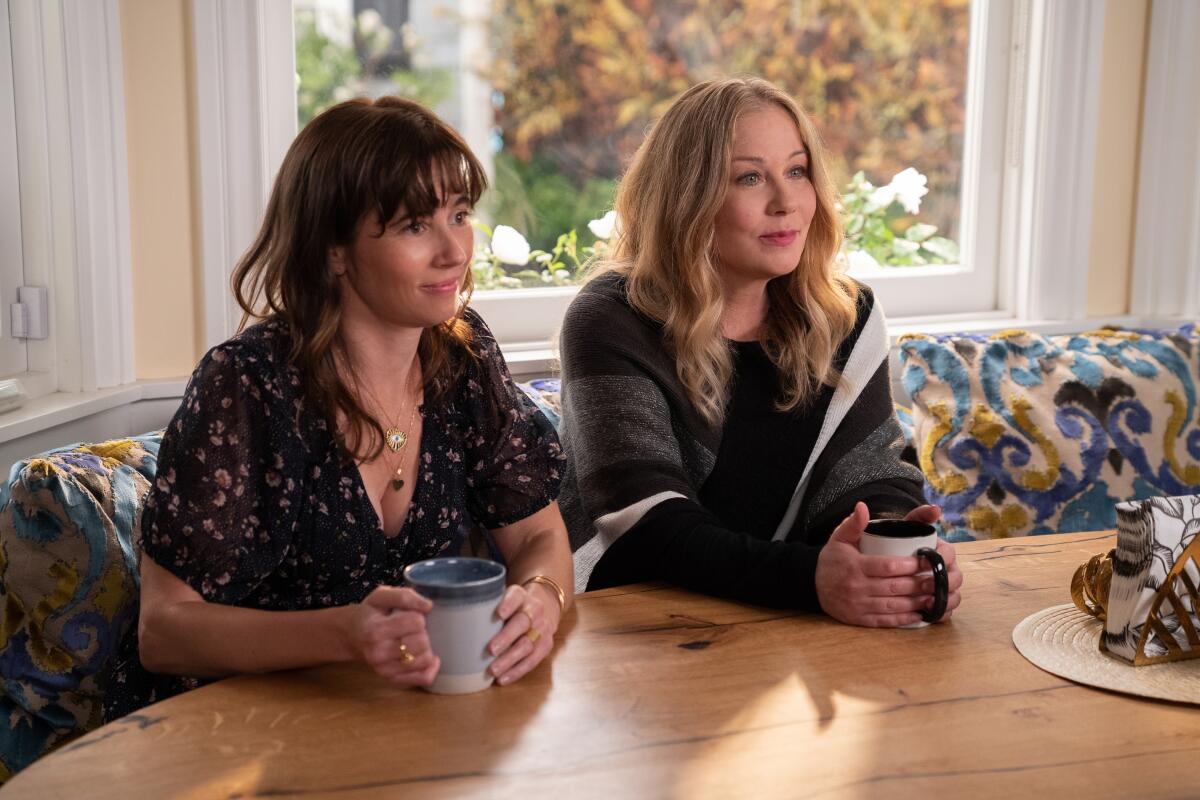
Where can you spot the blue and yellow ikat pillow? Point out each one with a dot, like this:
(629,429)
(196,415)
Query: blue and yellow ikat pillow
(1022,434)
(68,587)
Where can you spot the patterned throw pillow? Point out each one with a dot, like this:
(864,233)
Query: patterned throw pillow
(544,392)
(68,587)
(1024,434)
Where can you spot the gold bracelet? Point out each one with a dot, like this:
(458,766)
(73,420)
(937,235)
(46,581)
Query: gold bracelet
(552,585)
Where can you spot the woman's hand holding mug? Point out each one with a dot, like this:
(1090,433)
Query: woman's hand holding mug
(387,632)
(530,621)
(881,590)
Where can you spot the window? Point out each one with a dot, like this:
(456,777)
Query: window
(1027,134)
(560,116)
(12,265)
(65,214)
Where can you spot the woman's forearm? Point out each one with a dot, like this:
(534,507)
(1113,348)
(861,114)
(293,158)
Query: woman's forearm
(547,555)
(538,545)
(681,542)
(209,640)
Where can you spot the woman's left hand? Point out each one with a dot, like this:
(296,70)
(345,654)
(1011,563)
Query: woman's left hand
(531,618)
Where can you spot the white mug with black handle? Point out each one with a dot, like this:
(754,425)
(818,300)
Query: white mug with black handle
(901,537)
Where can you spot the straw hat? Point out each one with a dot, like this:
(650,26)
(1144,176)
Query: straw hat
(1065,641)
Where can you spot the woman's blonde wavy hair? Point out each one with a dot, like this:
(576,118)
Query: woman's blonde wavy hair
(666,205)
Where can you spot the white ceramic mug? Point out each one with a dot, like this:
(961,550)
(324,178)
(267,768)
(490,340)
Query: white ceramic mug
(899,537)
(465,593)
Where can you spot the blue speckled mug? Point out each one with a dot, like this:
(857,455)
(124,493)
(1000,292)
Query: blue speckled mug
(465,593)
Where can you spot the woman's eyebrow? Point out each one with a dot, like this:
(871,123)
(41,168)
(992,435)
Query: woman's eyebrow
(758,159)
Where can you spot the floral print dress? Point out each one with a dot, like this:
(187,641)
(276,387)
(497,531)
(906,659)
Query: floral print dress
(254,505)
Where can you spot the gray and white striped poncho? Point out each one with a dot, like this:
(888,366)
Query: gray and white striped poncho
(633,439)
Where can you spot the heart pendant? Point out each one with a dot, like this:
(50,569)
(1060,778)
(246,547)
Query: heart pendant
(397,484)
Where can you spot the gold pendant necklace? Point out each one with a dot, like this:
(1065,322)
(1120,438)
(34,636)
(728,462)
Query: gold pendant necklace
(393,437)
(396,439)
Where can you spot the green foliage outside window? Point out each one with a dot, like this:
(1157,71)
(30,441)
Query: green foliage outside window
(329,71)
(577,85)
(537,198)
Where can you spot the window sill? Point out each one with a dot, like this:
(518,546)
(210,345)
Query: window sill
(530,360)
(51,410)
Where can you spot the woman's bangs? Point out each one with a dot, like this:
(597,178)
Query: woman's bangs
(419,184)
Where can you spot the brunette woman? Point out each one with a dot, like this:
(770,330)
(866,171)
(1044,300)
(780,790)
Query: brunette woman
(364,422)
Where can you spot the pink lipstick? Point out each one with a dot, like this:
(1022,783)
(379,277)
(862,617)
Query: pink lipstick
(779,238)
(444,287)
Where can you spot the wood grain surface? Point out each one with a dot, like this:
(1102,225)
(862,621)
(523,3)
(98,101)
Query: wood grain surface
(657,692)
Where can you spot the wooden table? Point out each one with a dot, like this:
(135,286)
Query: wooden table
(656,692)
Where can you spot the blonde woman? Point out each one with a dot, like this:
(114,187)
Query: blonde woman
(727,410)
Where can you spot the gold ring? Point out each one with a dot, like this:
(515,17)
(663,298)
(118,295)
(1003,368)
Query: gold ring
(405,656)
(525,611)
(532,634)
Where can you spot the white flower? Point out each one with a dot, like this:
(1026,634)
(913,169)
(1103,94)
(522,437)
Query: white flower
(369,21)
(860,261)
(603,228)
(510,246)
(881,198)
(910,187)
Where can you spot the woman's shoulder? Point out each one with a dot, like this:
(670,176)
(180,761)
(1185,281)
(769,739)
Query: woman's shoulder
(608,291)
(602,309)
(263,341)
(257,356)
(482,342)
(482,368)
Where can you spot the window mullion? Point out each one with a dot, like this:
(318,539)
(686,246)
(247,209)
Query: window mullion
(1050,220)
(1166,267)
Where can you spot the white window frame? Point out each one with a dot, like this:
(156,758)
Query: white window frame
(13,357)
(73,188)
(1166,262)
(1030,152)
(1048,190)
(246,119)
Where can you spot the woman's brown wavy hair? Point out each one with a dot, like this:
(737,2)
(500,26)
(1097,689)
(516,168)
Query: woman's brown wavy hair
(358,158)
(666,205)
